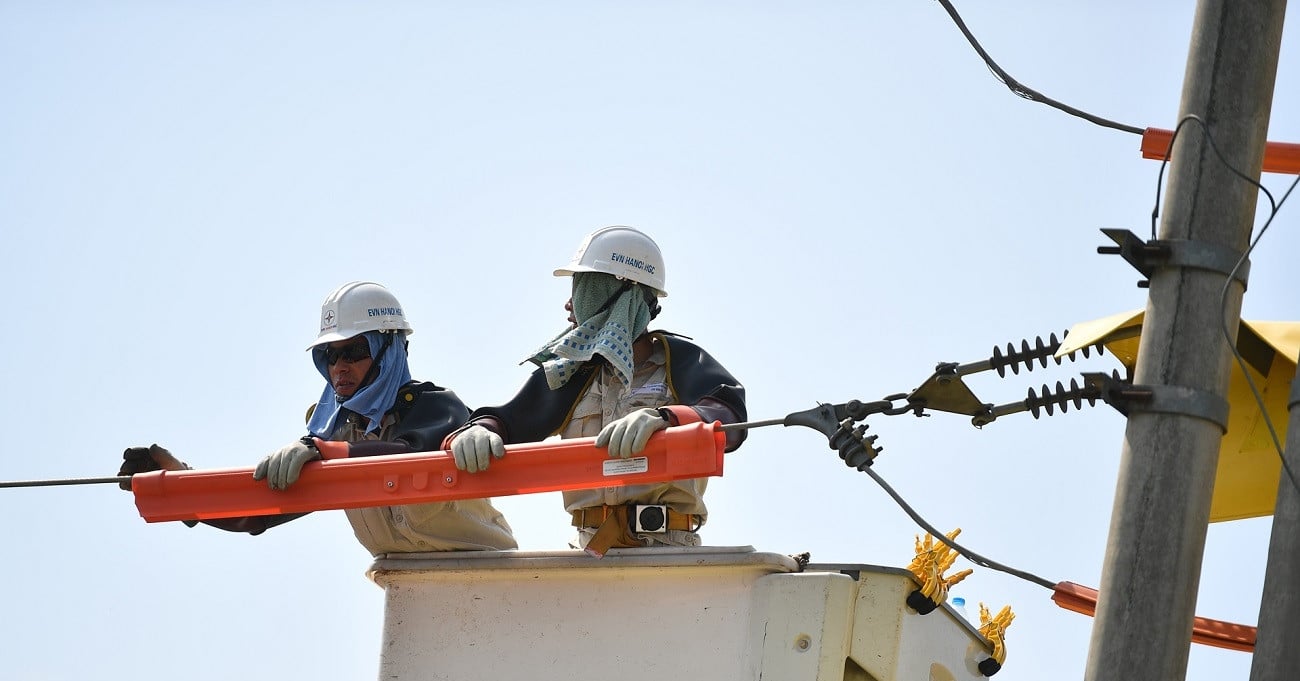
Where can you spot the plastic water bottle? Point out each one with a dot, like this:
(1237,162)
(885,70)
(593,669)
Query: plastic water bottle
(959,606)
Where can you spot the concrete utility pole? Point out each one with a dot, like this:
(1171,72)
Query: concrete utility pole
(1277,655)
(1166,477)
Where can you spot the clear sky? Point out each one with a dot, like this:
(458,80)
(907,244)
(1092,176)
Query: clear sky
(844,194)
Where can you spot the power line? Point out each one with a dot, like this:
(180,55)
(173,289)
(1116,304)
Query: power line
(1022,90)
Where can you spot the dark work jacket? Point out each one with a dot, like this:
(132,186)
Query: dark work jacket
(425,413)
(695,379)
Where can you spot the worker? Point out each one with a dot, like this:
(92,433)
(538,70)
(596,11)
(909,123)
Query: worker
(369,407)
(607,376)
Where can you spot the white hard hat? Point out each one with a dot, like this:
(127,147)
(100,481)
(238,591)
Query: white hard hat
(623,252)
(357,307)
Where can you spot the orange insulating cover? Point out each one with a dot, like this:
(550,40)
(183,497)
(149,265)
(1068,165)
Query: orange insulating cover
(1279,157)
(677,453)
(1205,631)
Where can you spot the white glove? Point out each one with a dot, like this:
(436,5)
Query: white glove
(474,448)
(628,435)
(281,469)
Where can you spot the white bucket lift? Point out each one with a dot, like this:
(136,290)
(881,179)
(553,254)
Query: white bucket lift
(661,614)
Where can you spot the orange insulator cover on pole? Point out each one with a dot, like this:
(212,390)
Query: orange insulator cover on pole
(676,453)
(1216,633)
(1279,157)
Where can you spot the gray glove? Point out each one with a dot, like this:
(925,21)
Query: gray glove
(474,448)
(281,469)
(628,435)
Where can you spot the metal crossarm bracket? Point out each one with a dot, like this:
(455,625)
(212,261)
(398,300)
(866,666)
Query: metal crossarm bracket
(1147,256)
(1163,399)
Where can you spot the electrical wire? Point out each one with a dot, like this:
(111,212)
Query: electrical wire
(1028,93)
(1274,207)
(1021,90)
(1241,362)
(939,536)
(66,481)
(1209,137)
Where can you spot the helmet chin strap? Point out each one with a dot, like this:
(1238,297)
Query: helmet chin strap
(372,372)
(652,301)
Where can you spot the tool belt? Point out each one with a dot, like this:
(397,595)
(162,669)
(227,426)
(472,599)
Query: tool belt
(617,526)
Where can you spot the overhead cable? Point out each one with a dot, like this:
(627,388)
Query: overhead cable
(1021,90)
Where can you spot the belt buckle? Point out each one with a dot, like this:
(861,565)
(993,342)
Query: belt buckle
(597,516)
(649,518)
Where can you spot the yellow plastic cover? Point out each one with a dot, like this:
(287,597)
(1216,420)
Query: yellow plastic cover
(1245,483)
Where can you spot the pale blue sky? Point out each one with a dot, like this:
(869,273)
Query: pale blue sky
(844,194)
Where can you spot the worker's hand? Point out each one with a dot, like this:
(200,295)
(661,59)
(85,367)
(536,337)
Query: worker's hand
(628,435)
(281,469)
(146,459)
(475,447)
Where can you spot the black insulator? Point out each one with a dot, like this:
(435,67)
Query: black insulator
(1047,398)
(1025,356)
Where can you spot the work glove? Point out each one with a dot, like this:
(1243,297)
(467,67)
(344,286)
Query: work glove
(628,435)
(281,469)
(475,447)
(146,459)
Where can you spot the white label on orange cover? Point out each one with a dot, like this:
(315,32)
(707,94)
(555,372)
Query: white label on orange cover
(639,464)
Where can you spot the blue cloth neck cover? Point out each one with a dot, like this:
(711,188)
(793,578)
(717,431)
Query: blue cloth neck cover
(375,398)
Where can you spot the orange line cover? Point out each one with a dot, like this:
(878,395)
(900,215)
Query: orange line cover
(677,453)
(1217,633)
(1279,157)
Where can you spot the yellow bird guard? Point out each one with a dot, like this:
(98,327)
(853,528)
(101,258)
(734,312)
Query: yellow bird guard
(1246,480)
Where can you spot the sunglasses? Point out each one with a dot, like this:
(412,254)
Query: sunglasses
(352,352)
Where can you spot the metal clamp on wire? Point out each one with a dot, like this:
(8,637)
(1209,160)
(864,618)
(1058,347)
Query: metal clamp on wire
(856,448)
(839,423)
(1162,399)
(1148,256)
